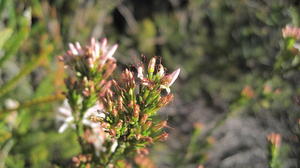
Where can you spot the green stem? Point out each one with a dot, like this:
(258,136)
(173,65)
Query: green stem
(79,126)
(112,157)
(79,133)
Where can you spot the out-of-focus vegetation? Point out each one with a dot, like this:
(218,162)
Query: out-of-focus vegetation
(232,54)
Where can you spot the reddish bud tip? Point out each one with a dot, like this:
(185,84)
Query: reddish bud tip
(274,139)
(162,137)
(136,111)
(160,125)
(144,119)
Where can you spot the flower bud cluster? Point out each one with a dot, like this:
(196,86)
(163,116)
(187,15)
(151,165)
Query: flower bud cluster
(131,105)
(90,67)
(82,159)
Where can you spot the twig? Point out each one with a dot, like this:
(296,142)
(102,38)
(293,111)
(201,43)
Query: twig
(30,103)
(128,16)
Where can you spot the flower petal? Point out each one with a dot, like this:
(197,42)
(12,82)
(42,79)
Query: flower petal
(173,76)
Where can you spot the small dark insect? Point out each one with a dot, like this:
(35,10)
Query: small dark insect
(98,111)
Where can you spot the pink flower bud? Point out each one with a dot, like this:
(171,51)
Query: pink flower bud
(78,46)
(114,112)
(90,62)
(143,151)
(274,139)
(93,41)
(96,50)
(165,100)
(73,49)
(160,125)
(151,65)
(103,42)
(120,103)
(136,111)
(140,72)
(147,139)
(60,58)
(138,136)
(144,119)
(119,124)
(147,125)
(86,92)
(162,137)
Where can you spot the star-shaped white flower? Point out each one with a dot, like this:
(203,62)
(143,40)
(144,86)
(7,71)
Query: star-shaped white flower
(170,78)
(64,114)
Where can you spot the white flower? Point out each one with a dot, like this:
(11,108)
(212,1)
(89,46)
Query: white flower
(11,104)
(65,115)
(114,146)
(97,138)
(11,118)
(170,79)
(73,49)
(297,46)
(97,50)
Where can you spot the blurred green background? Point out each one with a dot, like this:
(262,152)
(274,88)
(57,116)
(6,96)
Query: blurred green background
(239,80)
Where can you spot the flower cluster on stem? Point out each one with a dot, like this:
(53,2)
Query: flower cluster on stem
(113,117)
